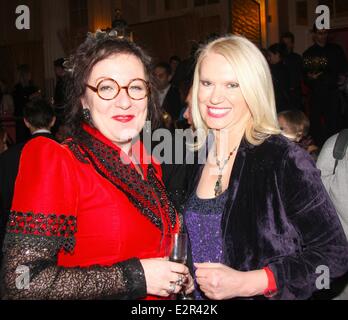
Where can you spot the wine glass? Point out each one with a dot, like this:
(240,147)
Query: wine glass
(176,250)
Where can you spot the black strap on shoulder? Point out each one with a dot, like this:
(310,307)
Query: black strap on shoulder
(340,147)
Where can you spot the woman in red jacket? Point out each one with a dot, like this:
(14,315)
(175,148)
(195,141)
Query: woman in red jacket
(89,216)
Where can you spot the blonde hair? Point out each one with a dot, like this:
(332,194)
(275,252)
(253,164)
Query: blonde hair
(255,82)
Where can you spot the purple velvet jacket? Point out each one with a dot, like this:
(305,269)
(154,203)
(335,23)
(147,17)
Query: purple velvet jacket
(278,214)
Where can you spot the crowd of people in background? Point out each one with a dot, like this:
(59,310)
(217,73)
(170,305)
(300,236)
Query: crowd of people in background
(314,83)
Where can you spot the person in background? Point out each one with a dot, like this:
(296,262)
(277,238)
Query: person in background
(60,92)
(335,179)
(177,174)
(168,95)
(185,119)
(3,140)
(174,61)
(183,76)
(24,91)
(280,76)
(91,219)
(259,219)
(295,126)
(39,118)
(294,64)
(188,110)
(325,65)
(6,100)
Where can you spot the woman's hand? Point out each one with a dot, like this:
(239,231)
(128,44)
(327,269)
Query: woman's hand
(189,285)
(164,277)
(219,282)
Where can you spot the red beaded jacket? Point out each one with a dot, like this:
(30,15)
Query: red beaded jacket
(82,217)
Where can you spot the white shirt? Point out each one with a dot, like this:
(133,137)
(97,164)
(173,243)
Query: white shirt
(41,131)
(162,95)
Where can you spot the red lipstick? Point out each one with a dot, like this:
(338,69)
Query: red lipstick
(124,118)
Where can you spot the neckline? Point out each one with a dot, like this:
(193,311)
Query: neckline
(210,199)
(138,150)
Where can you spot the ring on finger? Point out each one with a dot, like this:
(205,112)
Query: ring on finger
(172,286)
(180,281)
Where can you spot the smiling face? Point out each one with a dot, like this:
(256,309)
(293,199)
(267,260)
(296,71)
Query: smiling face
(220,99)
(121,118)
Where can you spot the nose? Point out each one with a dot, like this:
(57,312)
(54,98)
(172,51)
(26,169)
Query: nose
(123,100)
(217,95)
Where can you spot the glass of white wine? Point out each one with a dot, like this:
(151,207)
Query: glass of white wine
(176,246)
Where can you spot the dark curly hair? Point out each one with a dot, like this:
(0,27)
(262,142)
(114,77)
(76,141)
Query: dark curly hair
(278,48)
(99,46)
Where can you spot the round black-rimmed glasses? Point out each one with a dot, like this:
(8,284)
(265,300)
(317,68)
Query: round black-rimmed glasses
(108,89)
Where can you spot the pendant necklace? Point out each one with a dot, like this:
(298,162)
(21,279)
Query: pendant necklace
(218,183)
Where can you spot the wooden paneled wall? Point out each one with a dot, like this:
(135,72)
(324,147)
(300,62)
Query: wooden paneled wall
(174,36)
(20,46)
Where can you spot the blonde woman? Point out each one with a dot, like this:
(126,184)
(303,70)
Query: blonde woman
(259,220)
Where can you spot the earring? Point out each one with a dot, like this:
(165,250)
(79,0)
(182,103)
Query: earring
(86,115)
(147,125)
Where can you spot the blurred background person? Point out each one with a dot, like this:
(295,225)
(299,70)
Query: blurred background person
(324,65)
(60,92)
(177,173)
(334,174)
(3,140)
(280,76)
(39,118)
(168,94)
(24,91)
(295,126)
(174,61)
(188,110)
(293,62)
(6,100)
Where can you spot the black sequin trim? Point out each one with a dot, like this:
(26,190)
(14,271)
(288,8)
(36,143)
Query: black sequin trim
(62,227)
(47,280)
(76,150)
(148,196)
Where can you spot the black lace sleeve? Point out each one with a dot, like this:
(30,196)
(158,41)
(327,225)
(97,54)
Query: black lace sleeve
(30,271)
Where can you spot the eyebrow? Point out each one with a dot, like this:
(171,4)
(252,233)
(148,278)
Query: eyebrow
(225,82)
(100,78)
(231,81)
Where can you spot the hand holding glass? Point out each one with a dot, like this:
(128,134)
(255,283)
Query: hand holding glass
(176,251)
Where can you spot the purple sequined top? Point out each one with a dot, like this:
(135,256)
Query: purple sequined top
(203,223)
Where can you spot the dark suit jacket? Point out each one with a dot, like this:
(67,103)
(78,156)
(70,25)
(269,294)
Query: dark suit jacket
(172,103)
(177,169)
(278,214)
(9,164)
